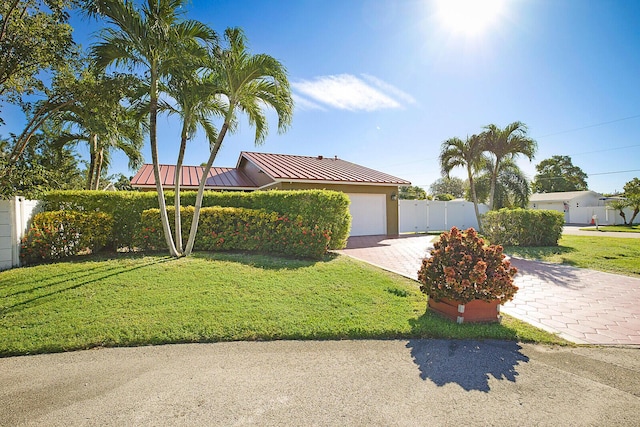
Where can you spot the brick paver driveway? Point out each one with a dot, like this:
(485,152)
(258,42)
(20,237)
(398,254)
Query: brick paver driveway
(582,306)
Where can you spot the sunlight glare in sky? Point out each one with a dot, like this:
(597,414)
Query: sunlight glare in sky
(468,17)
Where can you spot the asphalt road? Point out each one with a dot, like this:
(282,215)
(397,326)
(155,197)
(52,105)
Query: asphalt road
(325,383)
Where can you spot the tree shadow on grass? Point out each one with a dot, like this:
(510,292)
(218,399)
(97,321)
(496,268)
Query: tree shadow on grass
(468,363)
(72,281)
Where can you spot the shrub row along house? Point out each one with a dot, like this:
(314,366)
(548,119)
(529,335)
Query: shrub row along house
(373,194)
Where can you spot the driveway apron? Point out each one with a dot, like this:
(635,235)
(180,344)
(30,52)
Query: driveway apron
(580,305)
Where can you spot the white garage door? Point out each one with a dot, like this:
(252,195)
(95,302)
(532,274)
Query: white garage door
(368,214)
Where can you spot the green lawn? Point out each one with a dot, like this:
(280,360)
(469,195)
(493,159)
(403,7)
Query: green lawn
(615,228)
(611,254)
(131,300)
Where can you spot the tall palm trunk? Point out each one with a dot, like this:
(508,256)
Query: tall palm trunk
(203,181)
(98,168)
(474,196)
(153,118)
(93,146)
(178,180)
(494,180)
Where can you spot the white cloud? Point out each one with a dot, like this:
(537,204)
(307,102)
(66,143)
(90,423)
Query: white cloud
(303,103)
(390,89)
(348,92)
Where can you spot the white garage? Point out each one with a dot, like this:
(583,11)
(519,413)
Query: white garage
(368,214)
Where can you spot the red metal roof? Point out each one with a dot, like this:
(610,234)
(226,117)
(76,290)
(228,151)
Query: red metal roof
(218,178)
(327,169)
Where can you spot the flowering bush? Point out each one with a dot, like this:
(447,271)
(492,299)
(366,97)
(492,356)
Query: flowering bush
(329,210)
(60,234)
(462,268)
(240,229)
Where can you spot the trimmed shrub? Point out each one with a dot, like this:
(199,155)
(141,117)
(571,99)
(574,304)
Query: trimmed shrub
(444,197)
(60,234)
(523,227)
(462,268)
(328,210)
(240,229)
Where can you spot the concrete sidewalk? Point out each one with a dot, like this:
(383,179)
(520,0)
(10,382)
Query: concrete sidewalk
(582,306)
(324,383)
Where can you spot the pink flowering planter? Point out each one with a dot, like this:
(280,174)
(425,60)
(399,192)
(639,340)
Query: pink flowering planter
(462,273)
(476,311)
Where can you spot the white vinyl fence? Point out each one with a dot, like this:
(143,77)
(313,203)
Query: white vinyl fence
(418,216)
(605,215)
(15,214)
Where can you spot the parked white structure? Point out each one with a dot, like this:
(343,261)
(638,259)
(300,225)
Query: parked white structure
(419,216)
(15,214)
(579,207)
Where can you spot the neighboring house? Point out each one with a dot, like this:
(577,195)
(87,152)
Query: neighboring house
(578,206)
(373,194)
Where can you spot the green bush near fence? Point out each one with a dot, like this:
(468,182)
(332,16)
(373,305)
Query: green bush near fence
(328,210)
(523,227)
(226,229)
(61,234)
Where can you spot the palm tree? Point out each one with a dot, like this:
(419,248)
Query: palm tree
(512,187)
(245,83)
(154,41)
(195,103)
(506,143)
(99,119)
(468,154)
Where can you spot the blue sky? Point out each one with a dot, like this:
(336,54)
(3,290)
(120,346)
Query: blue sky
(383,83)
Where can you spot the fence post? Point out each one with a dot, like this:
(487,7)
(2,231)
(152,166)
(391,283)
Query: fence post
(16,213)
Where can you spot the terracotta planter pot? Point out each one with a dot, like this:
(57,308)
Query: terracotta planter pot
(476,311)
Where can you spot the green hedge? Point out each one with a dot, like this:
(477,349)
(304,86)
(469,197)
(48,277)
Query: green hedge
(60,234)
(325,209)
(240,229)
(523,227)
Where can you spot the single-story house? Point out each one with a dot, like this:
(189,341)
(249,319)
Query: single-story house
(567,201)
(373,194)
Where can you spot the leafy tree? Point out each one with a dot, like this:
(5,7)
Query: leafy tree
(632,194)
(43,167)
(411,192)
(65,89)
(155,40)
(34,36)
(121,182)
(448,185)
(469,154)
(505,145)
(512,187)
(246,83)
(620,205)
(558,174)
